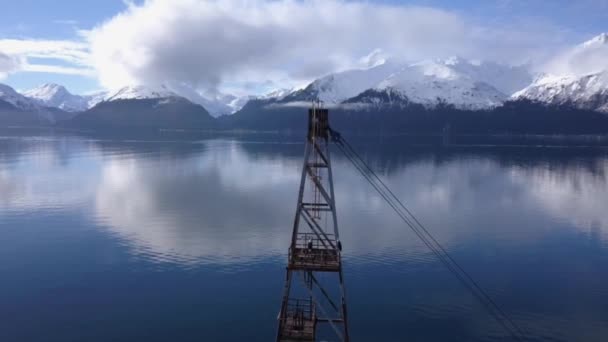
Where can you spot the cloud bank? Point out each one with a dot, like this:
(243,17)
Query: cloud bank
(253,46)
(261,44)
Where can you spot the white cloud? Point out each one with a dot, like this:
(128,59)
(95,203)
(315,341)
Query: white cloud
(212,43)
(8,64)
(65,50)
(15,55)
(575,195)
(56,69)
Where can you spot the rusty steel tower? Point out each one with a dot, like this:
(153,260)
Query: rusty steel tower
(314,304)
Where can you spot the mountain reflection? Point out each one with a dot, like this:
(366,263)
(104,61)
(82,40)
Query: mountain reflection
(225,200)
(220,204)
(130,218)
(46,173)
(230,200)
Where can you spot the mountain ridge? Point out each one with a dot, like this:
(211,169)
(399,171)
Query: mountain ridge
(57,96)
(583,82)
(432,86)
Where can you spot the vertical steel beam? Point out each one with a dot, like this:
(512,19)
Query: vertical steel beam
(296,222)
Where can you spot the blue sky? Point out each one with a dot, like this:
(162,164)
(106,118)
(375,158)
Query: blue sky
(46,19)
(583,16)
(53,19)
(556,23)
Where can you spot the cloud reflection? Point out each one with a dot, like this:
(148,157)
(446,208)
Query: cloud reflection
(223,201)
(41,174)
(575,194)
(221,205)
(231,202)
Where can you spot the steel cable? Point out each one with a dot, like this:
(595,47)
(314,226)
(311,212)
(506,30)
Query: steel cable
(427,238)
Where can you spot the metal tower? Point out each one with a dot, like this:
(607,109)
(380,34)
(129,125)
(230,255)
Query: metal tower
(314,265)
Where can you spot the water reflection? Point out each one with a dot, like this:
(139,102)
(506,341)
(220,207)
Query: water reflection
(529,224)
(227,200)
(219,205)
(226,204)
(45,173)
(576,194)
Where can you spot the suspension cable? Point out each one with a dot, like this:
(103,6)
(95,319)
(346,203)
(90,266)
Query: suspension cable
(427,238)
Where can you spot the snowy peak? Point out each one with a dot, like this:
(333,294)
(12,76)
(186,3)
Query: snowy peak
(578,77)
(216,103)
(456,81)
(47,92)
(338,87)
(599,40)
(590,57)
(427,69)
(453,81)
(507,79)
(586,92)
(277,94)
(433,83)
(219,104)
(8,94)
(95,98)
(57,96)
(25,104)
(238,102)
(141,92)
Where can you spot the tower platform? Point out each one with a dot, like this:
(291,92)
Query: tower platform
(298,321)
(312,253)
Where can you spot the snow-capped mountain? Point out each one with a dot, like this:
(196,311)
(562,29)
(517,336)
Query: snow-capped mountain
(335,88)
(505,78)
(20,102)
(220,104)
(455,81)
(432,82)
(580,78)
(144,107)
(57,96)
(599,40)
(341,86)
(140,92)
(21,109)
(238,102)
(586,92)
(95,98)
(216,103)
(277,94)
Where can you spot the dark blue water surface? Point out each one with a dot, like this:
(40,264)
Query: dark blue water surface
(148,240)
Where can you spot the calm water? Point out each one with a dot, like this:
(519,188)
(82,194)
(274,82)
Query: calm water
(105,240)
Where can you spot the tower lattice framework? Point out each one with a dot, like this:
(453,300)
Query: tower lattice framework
(314,304)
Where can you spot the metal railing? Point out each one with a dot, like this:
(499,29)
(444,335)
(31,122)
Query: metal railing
(312,241)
